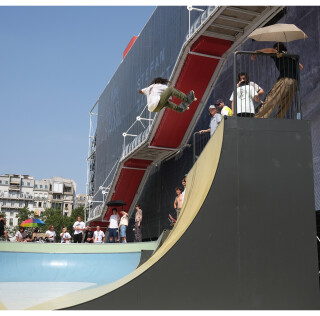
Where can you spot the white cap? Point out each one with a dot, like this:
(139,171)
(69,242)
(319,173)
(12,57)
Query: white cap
(212,107)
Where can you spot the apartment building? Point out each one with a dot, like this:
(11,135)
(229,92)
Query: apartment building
(18,191)
(81,200)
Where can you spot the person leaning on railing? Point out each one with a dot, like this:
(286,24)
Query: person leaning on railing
(216,118)
(283,91)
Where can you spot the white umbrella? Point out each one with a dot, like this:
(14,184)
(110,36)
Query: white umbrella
(278,33)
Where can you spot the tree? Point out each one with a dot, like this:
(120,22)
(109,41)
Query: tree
(53,216)
(24,214)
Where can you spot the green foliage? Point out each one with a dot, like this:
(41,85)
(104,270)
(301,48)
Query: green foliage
(24,214)
(54,217)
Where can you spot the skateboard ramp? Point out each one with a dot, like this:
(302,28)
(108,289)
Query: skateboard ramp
(246,236)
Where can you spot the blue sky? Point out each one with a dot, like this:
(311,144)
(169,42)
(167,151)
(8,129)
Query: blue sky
(55,62)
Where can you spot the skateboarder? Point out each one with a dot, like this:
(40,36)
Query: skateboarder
(158,94)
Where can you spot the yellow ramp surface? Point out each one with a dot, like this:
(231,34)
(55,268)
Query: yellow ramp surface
(199,181)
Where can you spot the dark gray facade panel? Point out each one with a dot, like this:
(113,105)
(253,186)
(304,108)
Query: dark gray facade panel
(153,54)
(157,197)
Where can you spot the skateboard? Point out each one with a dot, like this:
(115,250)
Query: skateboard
(191,97)
(171,220)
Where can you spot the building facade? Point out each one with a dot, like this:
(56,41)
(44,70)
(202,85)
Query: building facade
(19,191)
(154,54)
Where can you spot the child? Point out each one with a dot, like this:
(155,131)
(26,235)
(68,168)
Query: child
(65,236)
(158,94)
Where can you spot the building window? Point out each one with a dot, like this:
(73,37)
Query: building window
(41,186)
(12,203)
(4,203)
(6,182)
(66,206)
(46,186)
(22,183)
(0,181)
(40,204)
(11,213)
(11,222)
(28,184)
(36,186)
(27,203)
(20,204)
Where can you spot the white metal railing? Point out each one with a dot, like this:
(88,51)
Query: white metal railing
(201,19)
(144,120)
(94,212)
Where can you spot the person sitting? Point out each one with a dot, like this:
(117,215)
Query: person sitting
(20,235)
(51,234)
(158,94)
(214,122)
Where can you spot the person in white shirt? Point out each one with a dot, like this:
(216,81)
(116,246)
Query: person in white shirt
(113,225)
(65,236)
(123,226)
(184,183)
(246,94)
(78,227)
(51,234)
(98,236)
(20,235)
(158,94)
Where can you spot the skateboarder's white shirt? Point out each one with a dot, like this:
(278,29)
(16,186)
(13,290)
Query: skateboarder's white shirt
(153,93)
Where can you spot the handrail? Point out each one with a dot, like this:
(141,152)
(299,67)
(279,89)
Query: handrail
(247,66)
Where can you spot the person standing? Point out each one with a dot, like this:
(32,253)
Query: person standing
(3,232)
(216,118)
(137,224)
(177,204)
(184,183)
(224,110)
(123,226)
(98,236)
(78,227)
(51,234)
(88,238)
(113,225)
(65,236)
(283,91)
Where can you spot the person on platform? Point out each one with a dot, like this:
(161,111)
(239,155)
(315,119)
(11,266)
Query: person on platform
(88,237)
(65,236)
(158,94)
(224,110)
(184,184)
(124,221)
(216,118)
(137,224)
(78,227)
(98,236)
(177,204)
(246,94)
(283,91)
(51,234)
(3,232)
(113,226)
(20,235)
